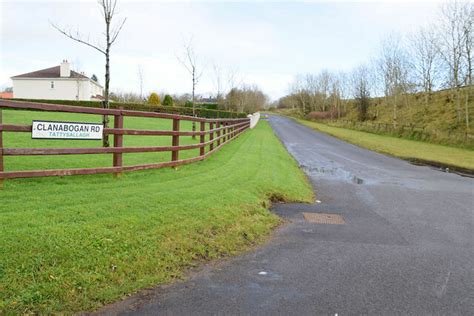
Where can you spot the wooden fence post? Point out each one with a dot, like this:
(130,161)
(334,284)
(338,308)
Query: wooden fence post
(118,141)
(224,132)
(1,149)
(202,150)
(218,125)
(211,136)
(175,140)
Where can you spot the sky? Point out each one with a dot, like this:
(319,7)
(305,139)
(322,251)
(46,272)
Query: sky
(259,42)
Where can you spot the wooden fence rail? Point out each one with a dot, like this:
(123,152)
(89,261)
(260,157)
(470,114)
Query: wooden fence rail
(220,131)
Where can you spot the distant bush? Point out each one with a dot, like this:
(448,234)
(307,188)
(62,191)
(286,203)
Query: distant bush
(209,106)
(168,100)
(154,99)
(321,115)
(188,104)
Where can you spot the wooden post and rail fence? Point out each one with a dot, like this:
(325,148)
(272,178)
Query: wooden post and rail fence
(221,131)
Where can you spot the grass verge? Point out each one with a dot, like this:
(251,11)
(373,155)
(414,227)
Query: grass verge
(402,148)
(76,243)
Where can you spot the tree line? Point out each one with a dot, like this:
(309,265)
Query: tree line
(244,98)
(434,57)
(230,93)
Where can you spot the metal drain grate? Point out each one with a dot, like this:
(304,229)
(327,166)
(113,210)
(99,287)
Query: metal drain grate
(321,218)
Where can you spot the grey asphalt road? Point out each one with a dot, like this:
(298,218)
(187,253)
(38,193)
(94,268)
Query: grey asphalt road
(406,247)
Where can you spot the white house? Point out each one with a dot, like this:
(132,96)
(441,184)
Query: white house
(56,83)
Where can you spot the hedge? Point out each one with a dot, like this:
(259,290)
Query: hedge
(200,112)
(209,106)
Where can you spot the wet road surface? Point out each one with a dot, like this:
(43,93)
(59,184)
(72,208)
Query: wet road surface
(406,246)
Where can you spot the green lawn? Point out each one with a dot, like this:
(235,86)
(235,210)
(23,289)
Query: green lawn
(403,148)
(75,243)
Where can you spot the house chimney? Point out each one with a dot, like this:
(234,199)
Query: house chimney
(65,69)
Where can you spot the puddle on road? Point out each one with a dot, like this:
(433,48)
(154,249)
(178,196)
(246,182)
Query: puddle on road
(333,173)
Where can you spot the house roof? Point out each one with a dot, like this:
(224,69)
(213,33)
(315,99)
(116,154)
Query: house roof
(6,95)
(53,72)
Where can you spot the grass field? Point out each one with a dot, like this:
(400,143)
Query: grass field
(403,148)
(75,243)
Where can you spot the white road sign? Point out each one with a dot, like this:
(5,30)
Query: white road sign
(66,130)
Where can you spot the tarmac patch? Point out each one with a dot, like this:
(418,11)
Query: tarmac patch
(323,218)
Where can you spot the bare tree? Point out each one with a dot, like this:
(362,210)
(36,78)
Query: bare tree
(190,62)
(345,87)
(225,80)
(455,30)
(311,91)
(287,102)
(77,68)
(424,60)
(218,81)
(361,90)
(299,90)
(234,78)
(336,94)
(125,96)
(107,8)
(141,79)
(468,46)
(393,71)
(324,82)
(468,30)
(322,92)
(248,99)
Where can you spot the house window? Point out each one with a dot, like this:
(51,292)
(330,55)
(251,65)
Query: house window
(52,84)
